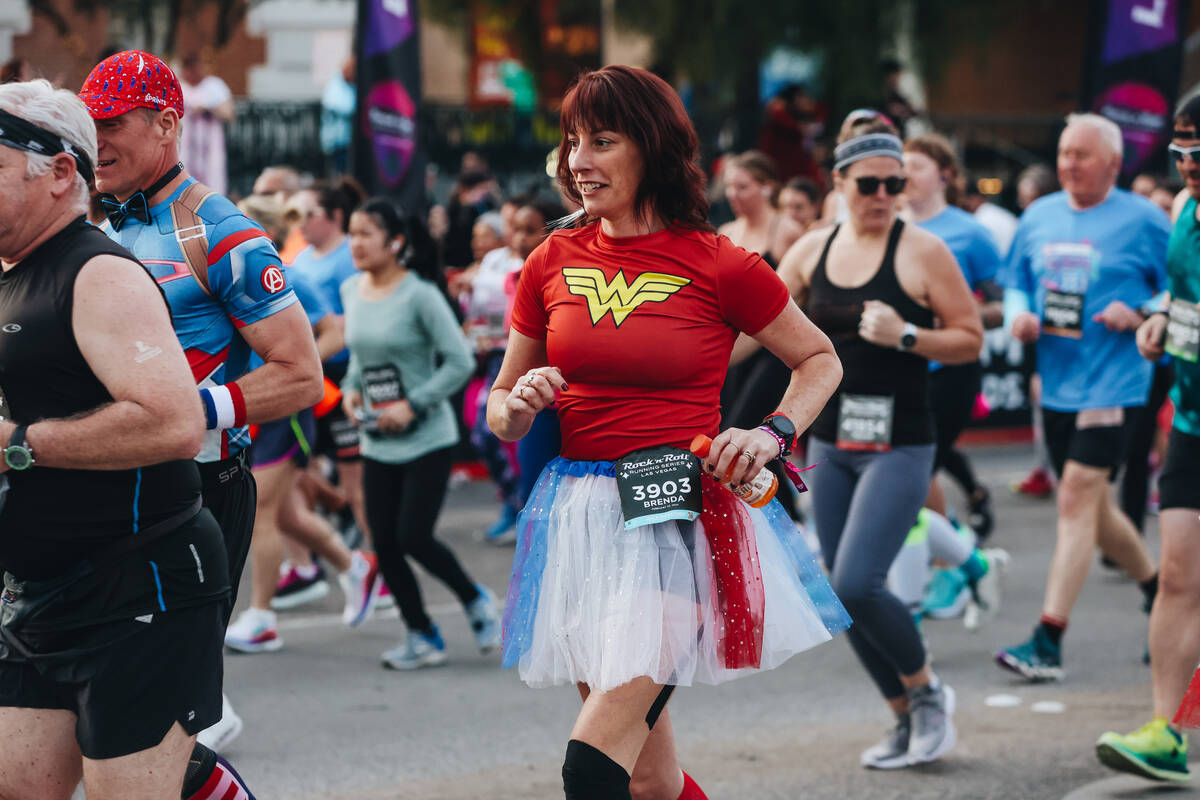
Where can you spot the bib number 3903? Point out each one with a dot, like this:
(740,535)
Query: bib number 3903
(658,484)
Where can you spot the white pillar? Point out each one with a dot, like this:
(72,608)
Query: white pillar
(14,21)
(307,41)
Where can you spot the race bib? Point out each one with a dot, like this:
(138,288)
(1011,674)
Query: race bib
(1183,331)
(865,422)
(345,438)
(658,484)
(1069,268)
(382,386)
(1063,315)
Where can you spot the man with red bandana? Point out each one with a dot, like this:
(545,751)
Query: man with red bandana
(229,299)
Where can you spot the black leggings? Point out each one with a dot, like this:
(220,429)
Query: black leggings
(952,392)
(403,502)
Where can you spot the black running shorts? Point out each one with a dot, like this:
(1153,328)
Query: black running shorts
(126,696)
(1179,485)
(1103,447)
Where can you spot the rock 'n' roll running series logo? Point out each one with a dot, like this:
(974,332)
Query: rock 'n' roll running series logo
(618,297)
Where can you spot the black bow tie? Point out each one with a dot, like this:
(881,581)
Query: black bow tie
(118,212)
(136,206)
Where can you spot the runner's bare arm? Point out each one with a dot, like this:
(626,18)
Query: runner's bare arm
(331,335)
(510,413)
(123,330)
(290,378)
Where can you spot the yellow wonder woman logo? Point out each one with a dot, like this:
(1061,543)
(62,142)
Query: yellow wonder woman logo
(616,296)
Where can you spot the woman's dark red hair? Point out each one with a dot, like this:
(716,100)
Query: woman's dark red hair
(644,107)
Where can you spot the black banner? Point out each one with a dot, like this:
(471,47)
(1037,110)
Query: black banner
(386,156)
(1135,57)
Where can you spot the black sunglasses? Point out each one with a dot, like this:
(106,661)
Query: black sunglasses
(869,185)
(1192,152)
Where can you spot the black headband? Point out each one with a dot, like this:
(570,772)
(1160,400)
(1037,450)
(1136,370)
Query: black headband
(25,135)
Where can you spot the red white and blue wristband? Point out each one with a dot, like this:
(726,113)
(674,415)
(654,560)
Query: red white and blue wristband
(224,406)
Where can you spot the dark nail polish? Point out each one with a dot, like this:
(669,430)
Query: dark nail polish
(564,386)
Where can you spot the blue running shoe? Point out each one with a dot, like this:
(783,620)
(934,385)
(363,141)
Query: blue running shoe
(1038,659)
(504,530)
(946,595)
(420,649)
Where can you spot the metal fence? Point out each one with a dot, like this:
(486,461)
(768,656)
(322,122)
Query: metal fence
(517,146)
(265,133)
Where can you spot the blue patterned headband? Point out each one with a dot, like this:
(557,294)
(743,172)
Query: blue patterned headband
(871,144)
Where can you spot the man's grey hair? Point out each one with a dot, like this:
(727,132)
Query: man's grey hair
(60,112)
(1109,131)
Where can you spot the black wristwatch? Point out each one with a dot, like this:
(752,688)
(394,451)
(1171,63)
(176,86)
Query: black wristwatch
(19,455)
(784,428)
(908,339)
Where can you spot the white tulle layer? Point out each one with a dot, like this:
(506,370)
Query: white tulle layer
(590,602)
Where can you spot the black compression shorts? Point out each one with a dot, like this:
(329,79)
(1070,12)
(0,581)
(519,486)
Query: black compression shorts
(1103,447)
(1179,485)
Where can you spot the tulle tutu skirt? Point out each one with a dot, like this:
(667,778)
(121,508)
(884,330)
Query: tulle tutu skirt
(735,592)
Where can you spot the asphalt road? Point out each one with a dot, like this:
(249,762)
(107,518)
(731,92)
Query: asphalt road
(324,720)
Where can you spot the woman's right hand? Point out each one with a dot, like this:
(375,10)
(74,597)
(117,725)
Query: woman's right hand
(536,389)
(351,402)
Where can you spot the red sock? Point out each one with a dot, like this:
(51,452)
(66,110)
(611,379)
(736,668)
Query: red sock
(223,784)
(1054,627)
(690,790)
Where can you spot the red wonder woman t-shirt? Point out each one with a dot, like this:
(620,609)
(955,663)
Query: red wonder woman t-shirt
(641,329)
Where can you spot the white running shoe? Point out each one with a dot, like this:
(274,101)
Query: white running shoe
(985,600)
(254,631)
(360,585)
(218,737)
(485,619)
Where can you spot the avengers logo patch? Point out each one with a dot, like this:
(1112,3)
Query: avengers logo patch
(272,279)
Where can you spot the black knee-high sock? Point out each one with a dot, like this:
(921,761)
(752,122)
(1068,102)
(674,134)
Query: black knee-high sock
(588,774)
(200,767)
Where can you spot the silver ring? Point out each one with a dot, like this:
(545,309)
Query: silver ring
(529,380)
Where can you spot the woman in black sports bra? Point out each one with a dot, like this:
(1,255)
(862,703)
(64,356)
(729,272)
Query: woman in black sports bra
(890,297)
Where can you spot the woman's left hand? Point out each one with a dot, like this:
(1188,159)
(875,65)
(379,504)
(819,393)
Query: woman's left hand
(396,417)
(737,455)
(880,324)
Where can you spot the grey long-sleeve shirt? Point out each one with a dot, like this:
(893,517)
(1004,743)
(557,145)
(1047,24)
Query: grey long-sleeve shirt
(393,342)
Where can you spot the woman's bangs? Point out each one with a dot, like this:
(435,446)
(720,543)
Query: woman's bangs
(593,105)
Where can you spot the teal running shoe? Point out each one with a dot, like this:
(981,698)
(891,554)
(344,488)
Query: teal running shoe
(1038,659)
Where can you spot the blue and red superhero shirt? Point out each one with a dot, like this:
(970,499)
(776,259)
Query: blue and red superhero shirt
(641,328)
(247,284)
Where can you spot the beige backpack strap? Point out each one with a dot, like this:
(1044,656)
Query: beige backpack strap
(190,232)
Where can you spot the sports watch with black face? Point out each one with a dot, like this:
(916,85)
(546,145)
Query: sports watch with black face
(782,427)
(19,455)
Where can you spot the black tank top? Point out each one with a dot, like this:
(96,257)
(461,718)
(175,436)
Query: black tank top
(54,517)
(868,369)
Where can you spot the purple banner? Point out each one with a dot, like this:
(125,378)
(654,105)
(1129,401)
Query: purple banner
(1136,60)
(387,158)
